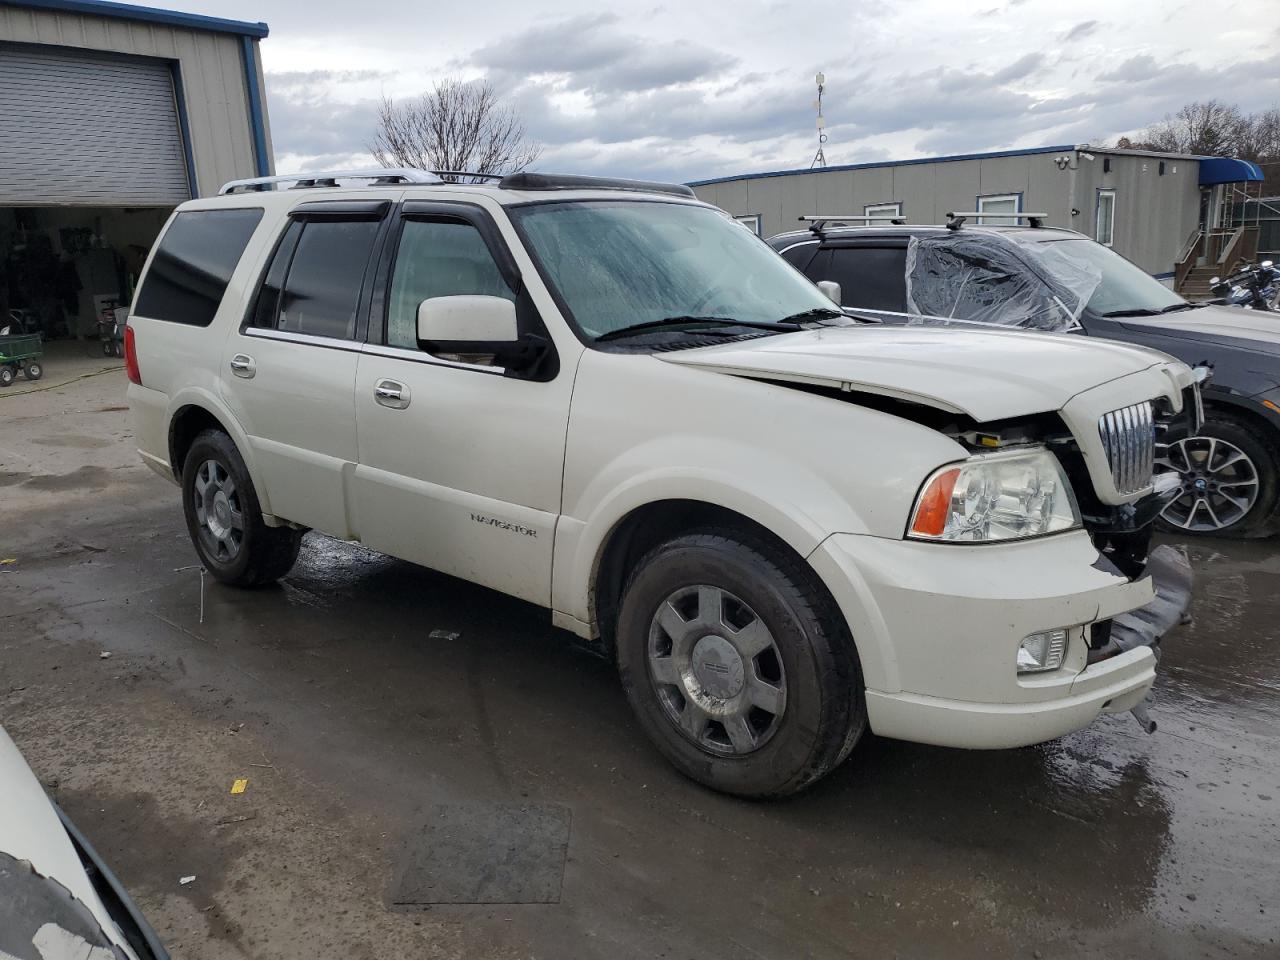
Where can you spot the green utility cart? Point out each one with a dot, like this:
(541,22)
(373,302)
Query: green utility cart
(20,351)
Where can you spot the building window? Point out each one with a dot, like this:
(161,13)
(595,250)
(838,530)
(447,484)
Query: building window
(1106,221)
(751,221)
(893,209)
(1000,203)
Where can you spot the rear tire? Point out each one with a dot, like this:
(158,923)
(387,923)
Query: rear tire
(6,376)
(224,518)
(738,664)
(33,371)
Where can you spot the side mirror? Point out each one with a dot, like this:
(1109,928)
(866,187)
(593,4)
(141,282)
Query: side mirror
(831,289)
(467,324)
(1214,281)
(484,326)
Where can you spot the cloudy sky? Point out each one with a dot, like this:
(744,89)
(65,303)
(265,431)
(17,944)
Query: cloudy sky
(705,88)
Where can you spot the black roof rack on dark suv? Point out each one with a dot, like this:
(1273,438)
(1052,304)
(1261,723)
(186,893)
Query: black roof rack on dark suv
(556,181)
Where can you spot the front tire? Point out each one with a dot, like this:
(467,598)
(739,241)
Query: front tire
(738,664)
(1230,480)
(33,371)
(224,518)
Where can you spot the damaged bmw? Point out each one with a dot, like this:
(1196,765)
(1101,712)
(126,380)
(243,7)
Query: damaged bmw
(606,398)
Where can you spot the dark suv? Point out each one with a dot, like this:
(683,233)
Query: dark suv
(1061,281)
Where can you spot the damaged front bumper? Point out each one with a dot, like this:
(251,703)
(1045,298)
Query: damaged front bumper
(938,629)
(1170,573)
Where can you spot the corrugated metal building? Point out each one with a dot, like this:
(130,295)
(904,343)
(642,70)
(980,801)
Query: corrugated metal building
(1152,208)
(110,115)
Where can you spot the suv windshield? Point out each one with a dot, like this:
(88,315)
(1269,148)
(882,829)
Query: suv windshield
(1124,289)
(625,263)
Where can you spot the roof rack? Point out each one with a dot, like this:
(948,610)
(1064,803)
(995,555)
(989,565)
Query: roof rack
(817,223)
(466,176)
(553,181)
(330,178)
(1034,220)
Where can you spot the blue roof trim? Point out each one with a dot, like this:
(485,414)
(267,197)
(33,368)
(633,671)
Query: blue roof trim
(1215,170)
(129,11)
(886,163)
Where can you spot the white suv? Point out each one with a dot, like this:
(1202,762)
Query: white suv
(611,400)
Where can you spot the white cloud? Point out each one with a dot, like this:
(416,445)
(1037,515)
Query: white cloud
(717,87)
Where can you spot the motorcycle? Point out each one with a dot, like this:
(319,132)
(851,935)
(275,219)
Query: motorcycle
(1252,287)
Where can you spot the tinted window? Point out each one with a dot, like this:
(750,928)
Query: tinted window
(873,278)
(193,264)
(800,255)
(438,258)
(326,268)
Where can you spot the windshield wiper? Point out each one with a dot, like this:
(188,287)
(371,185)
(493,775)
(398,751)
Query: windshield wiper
(684,320)
(1135,312)
(817,313)
(1148,312)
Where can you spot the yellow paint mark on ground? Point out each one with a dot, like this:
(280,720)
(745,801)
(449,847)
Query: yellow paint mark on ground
(239,786)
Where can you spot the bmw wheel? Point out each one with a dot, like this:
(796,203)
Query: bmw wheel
(1229,480)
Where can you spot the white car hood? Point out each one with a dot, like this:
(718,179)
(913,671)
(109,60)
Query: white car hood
(31,831)
(986,374)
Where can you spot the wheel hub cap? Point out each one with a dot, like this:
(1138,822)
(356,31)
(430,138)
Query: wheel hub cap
(717,670)
(718,667)
(219,517)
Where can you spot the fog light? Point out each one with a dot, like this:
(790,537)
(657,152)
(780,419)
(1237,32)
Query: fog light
(1042,651)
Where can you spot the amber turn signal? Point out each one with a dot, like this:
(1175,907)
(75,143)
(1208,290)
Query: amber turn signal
(935,504)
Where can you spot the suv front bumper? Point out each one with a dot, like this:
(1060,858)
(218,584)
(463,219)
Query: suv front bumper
(938,628)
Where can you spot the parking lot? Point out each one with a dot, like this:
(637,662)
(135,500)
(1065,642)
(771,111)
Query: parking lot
(365,697)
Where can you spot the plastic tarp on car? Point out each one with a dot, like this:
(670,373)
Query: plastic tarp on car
(978,278)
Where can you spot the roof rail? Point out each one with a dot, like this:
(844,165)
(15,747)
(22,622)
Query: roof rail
(1035,220)
(555,181)
(817,223)
(330,178)
(466,176)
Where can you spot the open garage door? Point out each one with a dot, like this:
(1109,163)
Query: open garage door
(85,128)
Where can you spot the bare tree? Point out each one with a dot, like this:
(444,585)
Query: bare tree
(1207,127)
(459,125)
(1258,136)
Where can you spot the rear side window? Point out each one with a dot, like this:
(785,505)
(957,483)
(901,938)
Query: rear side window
(872,278)
(193,265)
(313,283)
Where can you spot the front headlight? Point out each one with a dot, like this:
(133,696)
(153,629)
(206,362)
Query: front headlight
(1000,496)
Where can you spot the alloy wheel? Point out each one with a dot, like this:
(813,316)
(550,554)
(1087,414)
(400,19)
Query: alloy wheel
(219,513)
(1219,483)
(717,670)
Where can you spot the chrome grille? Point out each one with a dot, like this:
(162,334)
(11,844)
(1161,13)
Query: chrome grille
(1129,438)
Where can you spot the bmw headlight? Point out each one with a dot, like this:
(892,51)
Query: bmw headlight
(1010,495)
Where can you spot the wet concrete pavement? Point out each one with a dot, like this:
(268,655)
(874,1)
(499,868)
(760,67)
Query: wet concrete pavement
(352,723)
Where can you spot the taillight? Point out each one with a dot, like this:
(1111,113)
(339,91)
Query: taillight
(131,356)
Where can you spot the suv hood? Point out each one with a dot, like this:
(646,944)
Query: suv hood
(1255,330)
(985,374)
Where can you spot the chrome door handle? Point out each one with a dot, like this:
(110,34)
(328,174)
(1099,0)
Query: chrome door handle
(243,366)
(391,393)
